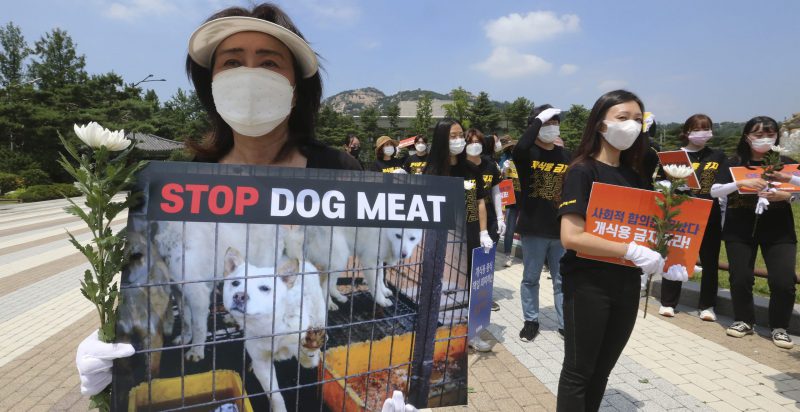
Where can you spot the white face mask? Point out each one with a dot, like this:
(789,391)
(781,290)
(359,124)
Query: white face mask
(548,134)
(700,137)
(252,101)
(420,147)
(457,145)
(388,150)
(498,146)
(763,145)
(621,135)
(474,149)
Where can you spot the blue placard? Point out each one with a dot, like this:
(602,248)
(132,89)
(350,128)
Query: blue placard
(480,297)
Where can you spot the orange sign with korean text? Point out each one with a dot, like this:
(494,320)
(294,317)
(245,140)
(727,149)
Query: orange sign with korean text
(680,157)
(507,192)
(406,142)
(754,172)
(625,214)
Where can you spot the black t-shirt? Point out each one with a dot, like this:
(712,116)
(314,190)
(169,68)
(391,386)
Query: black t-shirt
(776,224)
(471,173)
(491,178)
(575,199)
(387,166)
(320,156)
(415,164)
(541,174)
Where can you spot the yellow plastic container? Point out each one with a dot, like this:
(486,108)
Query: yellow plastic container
(197,389)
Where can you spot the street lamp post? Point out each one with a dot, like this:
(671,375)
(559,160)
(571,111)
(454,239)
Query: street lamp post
(148,79)
(8,97)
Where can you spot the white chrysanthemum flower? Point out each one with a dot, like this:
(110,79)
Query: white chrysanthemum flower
(779,149)
(95,136)
(678,171)
(468,185)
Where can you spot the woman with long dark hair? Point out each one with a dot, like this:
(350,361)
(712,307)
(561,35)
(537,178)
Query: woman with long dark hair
(448,158)
(479,153)
(601,299)
(773,232)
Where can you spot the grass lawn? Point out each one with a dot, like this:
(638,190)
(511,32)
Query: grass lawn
(760,288)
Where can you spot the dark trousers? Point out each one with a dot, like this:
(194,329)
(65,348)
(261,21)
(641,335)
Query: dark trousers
(709,260)
(780,259)
(599,314)
(511,225)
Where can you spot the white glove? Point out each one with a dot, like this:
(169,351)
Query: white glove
(468,185)
(501,227)
(649,260)
(548,114)
(486,241)
(400,171)
(698,269)
(397,404)
(648,122)
(507,164)
(677,273)
(94,360)
(762,205)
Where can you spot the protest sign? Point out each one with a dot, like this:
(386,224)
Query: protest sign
(680,157)
(754,172)
(507,196)
(406,142)
(625,214)
(290,289)
(480,298)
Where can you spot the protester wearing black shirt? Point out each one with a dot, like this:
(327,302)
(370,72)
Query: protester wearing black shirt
(541,166)
(415,163)
(386,160)
(707,163)
(601,299)
(773,231)
(508,169)
(490,179)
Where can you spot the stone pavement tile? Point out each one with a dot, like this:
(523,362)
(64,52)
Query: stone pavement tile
(722,406)
(734,399)
(699,393)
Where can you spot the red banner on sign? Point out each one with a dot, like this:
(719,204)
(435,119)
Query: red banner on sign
(624,214)
(507,192)
(407,142)
(754,172)
(680,157)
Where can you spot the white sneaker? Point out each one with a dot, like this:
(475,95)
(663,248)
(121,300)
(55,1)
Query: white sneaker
(509,262)
(781,339)
(666,311)
(708,315)
(480,345)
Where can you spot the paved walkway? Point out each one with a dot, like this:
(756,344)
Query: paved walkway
(669,364)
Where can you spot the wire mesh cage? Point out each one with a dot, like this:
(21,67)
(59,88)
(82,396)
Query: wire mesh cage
(236,302)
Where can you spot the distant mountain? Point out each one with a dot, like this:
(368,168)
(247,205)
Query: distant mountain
(352,102)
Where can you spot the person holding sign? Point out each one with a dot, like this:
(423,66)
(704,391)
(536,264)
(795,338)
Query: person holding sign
(707,163)
(509,171)
(386,160)
(448,158)
(415,163)
(542,166)
(773,232)
(601,299)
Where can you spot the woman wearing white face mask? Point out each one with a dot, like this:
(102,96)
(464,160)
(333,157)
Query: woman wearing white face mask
(707,163)
(386,160)
(479,152)
(773,232)
(415,163)
(601,299)
(258,81)
(541,166)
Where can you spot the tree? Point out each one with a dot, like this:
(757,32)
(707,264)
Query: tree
(459,109)
(483,115)
(422,122)
(182,117)
(368,120)
(392,113)
(14,53)
(56,60)
(516,115)
(572,124)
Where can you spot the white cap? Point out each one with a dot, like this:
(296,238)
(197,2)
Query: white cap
(207,37)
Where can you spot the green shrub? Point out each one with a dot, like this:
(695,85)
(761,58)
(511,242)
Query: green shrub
(47,192)
(13,162)
(35,177)
(9,182)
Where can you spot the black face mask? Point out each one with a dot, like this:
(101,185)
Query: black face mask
(355,151)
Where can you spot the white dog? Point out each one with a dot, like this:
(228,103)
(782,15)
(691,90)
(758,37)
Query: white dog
(330,248)
(265,305)
(198,241)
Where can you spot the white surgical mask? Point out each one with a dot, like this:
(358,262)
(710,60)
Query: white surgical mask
(388,150)
(474,149)
(548,134)
(621,135)
(763,145)
(421,147)
(700,137)
(457,145)
(498,146)
(252,101)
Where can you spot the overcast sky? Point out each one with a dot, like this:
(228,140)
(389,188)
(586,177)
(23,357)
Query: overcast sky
(731,59)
